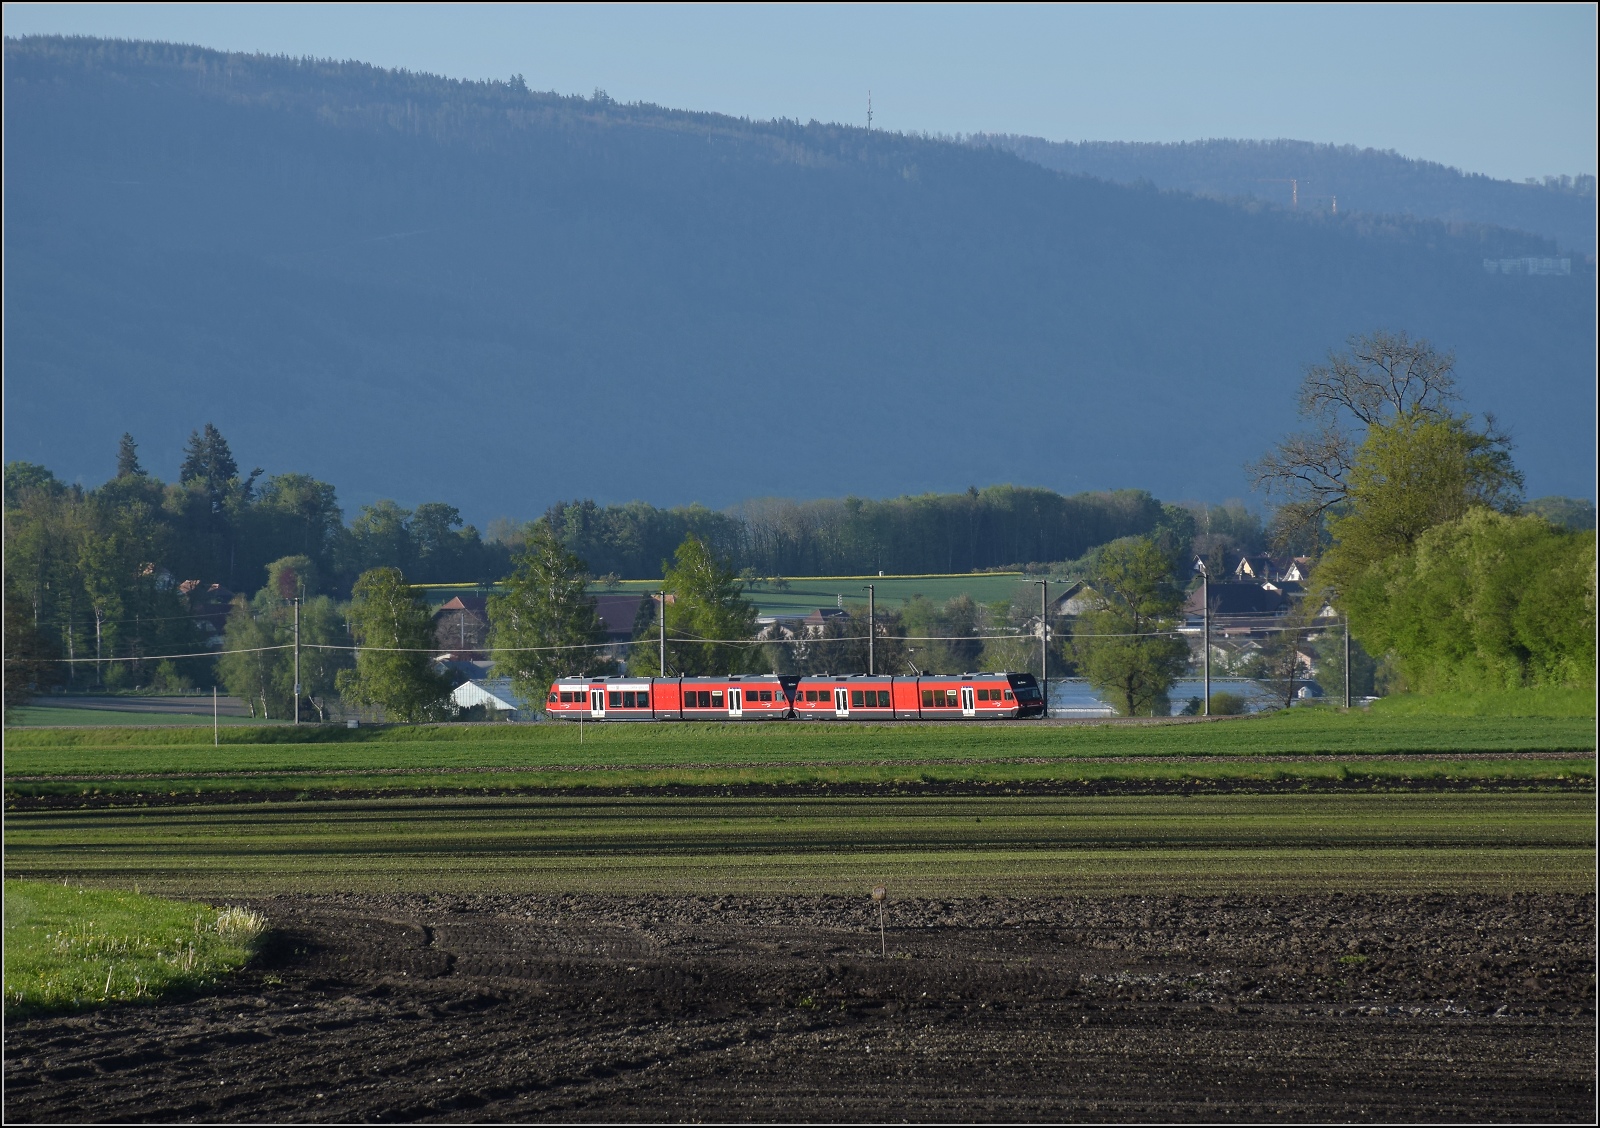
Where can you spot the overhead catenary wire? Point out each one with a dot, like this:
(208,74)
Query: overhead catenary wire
(799,641)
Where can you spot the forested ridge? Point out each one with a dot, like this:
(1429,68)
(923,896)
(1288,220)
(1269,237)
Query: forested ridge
(1366,182)
(418,287)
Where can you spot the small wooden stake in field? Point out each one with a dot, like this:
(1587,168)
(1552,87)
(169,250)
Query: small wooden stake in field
(880,894)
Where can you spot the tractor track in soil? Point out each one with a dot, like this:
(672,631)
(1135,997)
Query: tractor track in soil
(517,1007)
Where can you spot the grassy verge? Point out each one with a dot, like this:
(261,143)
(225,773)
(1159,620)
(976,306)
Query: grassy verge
(926,846)
(45,716)
(70,948)
(1577,703)
(112,751)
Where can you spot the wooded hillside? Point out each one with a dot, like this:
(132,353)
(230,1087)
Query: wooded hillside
(424,288)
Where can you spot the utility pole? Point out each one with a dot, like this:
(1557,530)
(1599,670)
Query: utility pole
(662,596)
(1205,634)
(869,111)
(1347,660)
(297,659)
(1044,644)
(872,626)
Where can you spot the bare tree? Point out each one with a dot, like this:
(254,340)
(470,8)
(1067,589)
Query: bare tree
(1381,375)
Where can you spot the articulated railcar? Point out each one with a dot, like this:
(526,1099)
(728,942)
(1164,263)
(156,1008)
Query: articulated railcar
(772,697)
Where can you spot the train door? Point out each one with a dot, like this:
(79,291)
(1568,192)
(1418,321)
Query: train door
(597,703)
(841,701)
(735,702)
(968,709)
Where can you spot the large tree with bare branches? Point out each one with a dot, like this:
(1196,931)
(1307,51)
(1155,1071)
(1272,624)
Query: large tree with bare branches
(1370,404)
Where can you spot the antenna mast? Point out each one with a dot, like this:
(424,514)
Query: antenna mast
(869,111)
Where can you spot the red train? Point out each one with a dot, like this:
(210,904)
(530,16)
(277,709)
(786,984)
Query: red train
(772,697)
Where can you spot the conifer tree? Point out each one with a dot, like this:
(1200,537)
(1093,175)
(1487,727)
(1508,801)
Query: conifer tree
(128,458)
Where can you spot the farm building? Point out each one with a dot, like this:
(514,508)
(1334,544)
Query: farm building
(496,697)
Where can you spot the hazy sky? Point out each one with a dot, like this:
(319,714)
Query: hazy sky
(1505,90)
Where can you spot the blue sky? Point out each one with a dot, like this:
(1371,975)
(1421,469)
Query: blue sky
(1506,90)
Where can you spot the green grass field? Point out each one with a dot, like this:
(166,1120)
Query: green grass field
(69,948)
(922,847)
(1314,744)
(805,594)
(44,716)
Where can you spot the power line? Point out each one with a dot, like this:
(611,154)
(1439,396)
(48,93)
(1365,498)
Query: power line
(1171,633)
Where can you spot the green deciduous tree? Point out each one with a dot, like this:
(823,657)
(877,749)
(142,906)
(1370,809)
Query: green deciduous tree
(1125,647)
(708,607)
(31,664)
(943,636)
(265,677)
(1381,376)
(1488,601)
(395,631)
(544,625)
(1411,473)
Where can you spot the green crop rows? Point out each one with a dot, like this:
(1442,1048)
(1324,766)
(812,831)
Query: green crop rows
(784,750)
(927,847)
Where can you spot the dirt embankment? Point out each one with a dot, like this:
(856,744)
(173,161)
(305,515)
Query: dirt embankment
(565,1008)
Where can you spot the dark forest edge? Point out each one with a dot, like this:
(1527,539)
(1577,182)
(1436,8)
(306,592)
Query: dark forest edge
(133,566)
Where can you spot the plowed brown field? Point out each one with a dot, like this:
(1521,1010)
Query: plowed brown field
(565,1008)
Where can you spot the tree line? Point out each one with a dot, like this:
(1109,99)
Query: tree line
(997,528)
(1411,510)
(118,586)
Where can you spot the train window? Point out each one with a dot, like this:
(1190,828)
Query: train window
(766,695)
(927,698)
(704,698)
(554,697)
(627,699)
(983,695)
(855,698)
(950,696)
(644,699)
(811,695)
(613,700)
(716,698)
(1008,695)
(883,698)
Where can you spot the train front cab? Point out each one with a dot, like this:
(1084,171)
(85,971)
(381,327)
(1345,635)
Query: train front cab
(1030,701)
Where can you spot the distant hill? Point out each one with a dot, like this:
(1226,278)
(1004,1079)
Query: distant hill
(1357,180)
(427,289)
